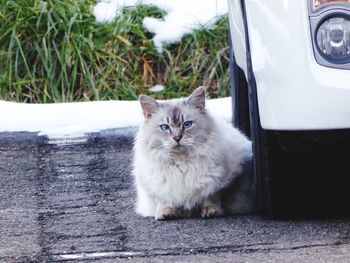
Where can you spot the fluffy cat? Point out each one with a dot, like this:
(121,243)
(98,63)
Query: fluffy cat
(185,160)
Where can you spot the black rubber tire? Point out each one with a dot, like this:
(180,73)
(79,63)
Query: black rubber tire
(246,118)
(297,173)
(239,94)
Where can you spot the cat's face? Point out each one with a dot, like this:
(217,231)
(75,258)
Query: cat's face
(176,126)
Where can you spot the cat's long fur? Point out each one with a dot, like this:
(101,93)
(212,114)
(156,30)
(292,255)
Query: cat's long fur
(170,178)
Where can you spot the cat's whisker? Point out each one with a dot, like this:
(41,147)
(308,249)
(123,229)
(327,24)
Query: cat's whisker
(158,149)
(160,152)
(193,149)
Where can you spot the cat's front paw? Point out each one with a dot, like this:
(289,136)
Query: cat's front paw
(212,211)
(166,213)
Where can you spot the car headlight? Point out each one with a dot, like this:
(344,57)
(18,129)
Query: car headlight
(333,39)
(330,29)
(317,3)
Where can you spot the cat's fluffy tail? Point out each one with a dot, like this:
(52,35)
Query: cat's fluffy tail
(240,197)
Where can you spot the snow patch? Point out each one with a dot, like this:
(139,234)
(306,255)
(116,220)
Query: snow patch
(156,88)
(69,119)
(183,16)
(69,122)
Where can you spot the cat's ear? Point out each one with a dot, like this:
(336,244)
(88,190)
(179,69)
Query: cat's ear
(197,99)
(149,106)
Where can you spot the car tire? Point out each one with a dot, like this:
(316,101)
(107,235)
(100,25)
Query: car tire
(239,94)
(267,164)
(297,173)
(246,119)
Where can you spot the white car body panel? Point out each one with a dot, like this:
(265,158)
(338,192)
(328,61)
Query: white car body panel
(237,33)
(294,91)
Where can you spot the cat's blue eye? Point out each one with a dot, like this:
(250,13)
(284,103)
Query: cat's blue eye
(187,124)
(165,128)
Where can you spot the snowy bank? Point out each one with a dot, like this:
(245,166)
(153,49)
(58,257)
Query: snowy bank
(78,118)
(183,16)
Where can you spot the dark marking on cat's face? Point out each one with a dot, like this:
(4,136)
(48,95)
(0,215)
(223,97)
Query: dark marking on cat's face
(176,121)
(176,117)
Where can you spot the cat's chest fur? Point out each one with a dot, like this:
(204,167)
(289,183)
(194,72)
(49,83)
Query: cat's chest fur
(184,180)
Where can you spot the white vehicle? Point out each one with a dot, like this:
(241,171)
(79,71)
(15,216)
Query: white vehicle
(290,62)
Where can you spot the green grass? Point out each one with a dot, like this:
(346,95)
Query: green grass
(54,51)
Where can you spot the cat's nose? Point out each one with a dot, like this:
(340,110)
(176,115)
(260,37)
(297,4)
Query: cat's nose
(177,138)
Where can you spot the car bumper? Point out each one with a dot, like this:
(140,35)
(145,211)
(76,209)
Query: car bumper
(294,92)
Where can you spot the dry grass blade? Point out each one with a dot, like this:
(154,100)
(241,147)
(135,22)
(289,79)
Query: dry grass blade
(55,51)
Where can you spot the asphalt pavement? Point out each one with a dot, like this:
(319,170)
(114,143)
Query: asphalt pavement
(72,200)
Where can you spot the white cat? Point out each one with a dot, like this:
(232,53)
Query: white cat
(184,159)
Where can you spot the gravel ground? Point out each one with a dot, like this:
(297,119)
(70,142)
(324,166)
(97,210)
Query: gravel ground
(73,201)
